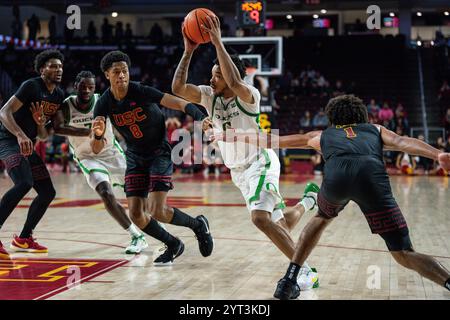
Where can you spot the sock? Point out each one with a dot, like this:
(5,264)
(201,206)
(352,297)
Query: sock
(134,231)
(292,271)
(154,230)
(447,284)
(182,219)
(307,203)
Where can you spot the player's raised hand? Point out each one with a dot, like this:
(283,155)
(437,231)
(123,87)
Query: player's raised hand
(189,46)
(99,126)
(213,29)
(207,124)
(444,160)
(37,111)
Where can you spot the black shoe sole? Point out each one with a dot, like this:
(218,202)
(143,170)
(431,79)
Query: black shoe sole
(212,240)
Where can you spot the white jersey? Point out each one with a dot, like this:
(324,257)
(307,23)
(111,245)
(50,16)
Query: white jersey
(81,146)
(233,113)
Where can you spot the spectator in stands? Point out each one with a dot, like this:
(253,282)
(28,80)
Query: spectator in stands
(401,118)
(119,32)
(447,144)
(385,115)
(406,163)
(320,85)
(52,29)
(447,121)
(128,32)
(16,28)
(444,91)
(305,121)
(373,107)
(106,31)
(320,119)
(338,88)
(156,34)
(441,144)
(92,32)
(34,26)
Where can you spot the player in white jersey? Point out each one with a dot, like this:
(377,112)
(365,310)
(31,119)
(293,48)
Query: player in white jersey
(101,170)
(233,104)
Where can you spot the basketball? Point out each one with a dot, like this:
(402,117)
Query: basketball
(192,23)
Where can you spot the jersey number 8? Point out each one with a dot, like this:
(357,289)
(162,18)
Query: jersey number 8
(137,133)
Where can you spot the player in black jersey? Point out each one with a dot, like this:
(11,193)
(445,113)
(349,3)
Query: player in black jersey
(23,118)
(133,110)
(354,170)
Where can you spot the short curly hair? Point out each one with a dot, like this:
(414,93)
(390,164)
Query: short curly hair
(114,56)
(346,109)
(84,74)
(240,65)
(41,59)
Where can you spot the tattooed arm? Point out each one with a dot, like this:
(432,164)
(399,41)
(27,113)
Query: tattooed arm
(185,90)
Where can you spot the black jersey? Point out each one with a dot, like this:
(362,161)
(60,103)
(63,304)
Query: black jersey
(137,117)
(352,141)
(33,90)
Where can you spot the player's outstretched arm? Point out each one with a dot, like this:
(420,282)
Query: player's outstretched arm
(172,102)
(63,129)
(413,147)
(97,135)
(229,71)
(185,90)
(7,119)
(310,140)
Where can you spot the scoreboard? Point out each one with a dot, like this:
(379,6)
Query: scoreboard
(251,13)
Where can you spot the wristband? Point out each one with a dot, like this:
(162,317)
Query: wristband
(194,112)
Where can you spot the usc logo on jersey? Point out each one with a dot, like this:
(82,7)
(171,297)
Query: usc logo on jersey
(130,118)
(50,108)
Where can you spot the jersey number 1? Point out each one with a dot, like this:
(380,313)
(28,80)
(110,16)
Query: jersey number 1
(350,133)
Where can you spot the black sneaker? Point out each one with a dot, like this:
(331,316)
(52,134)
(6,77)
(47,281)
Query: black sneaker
(166,259)
(287,289)
(204,238)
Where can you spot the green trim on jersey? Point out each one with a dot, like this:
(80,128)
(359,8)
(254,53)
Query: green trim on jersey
(118,147)
(245,111)
(213,106)
(262,178)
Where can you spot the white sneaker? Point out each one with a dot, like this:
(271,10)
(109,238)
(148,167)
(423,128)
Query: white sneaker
(308,279)
(137,245)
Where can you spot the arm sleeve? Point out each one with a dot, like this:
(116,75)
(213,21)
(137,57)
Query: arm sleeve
(152,95)
(207,96)
(26,91)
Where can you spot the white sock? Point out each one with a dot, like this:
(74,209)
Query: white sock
(307,203)
(134,231)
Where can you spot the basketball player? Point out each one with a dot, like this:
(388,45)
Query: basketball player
(132,109)
(101,170)
(233,103)
(354,170)
(23,119)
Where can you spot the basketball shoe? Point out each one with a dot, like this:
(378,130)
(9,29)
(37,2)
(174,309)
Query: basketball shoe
(204,238)
(27,245)
(4,255)
(137,245)
(308,279)
(309,199)
(170,254)
(287,289)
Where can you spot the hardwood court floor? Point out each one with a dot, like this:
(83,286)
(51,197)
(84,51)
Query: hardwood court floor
(244,264)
